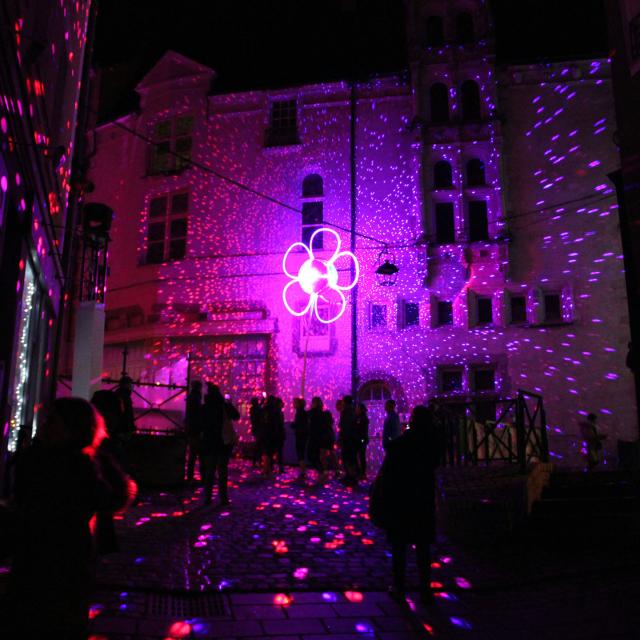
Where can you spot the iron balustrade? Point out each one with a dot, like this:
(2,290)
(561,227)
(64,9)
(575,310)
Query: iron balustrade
(517,435)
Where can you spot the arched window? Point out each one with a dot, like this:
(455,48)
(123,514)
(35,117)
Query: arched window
(312,210)
(373,391)
(475,173)
(312,186)
(464,28)
(434,31)
(442,176)
(470,94)
(439,103)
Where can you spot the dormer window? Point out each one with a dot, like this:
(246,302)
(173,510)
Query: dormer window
(171,148)
(283,123)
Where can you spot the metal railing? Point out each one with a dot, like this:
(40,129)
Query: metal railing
(517,435)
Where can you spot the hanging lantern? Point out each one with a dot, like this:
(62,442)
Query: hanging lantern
(387,271)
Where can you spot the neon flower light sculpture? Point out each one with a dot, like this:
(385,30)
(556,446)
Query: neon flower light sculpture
(317,281)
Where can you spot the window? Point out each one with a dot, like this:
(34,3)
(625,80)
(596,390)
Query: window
(445,223)
(378,316)
(167,228)
(434,31)
(484,380)
(445,313)
(439,103)
(478,221)
(442,176)
(312,211)
(375,391)
(518,309)
(470,95)
(283,123)
(485,310)
(464,28)
(411,314)
(552,307)
(451,380)
(475,173)
(171,151)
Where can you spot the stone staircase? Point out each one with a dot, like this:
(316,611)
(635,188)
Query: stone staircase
(582,508)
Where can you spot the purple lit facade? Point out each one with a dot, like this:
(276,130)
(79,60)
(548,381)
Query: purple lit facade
(43,51)
(488,187)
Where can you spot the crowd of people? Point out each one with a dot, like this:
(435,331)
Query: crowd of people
(317,444)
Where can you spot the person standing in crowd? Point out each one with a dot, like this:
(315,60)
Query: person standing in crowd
(271,435)
(229,440)
(125,393)
(315,418)
(211,443)
(348,439)
(391,428)
(592,441)
(60,483)
(403,495)
(256,418)
(111,452)
(300,426)
(362,432)
(193,425)
(281,434)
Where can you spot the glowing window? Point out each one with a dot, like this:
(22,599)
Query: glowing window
(283,123)
(312,211)
(484,379)
(167,228)
(434,31)
(374,391)
(171,151)
(439,103)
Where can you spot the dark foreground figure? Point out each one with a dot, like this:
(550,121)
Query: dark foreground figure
(403,499)
(61,481)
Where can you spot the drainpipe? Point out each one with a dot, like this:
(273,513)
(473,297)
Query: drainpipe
(354,291)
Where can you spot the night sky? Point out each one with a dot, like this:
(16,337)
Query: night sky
(275,43)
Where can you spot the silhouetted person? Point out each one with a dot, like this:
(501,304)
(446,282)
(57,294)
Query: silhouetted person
(592,440)
(391,427)
(109,406)
(348,440)
(125,392)
(193,426)
(362,432)
(300,426)
(281,434)
(61,482)
(218,440)
(408,481)
(257,419)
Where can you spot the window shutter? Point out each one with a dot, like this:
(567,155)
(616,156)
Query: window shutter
(502,308)
(472,309)
(566,298)
(433,311)
(535,306)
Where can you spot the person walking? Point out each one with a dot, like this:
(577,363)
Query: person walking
(61,481)
(362,433)
(592,441)
(391,427)
(402,500)
(300,426)
(193,426)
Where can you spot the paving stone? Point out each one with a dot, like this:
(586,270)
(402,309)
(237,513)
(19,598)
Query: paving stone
(352,610)
(258,612)
(310,611)
(301,626)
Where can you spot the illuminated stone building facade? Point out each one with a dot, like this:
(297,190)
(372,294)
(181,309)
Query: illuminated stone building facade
(42,53)
(486,187)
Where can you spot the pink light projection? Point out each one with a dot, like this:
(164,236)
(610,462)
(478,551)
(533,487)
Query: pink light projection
(315,286)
